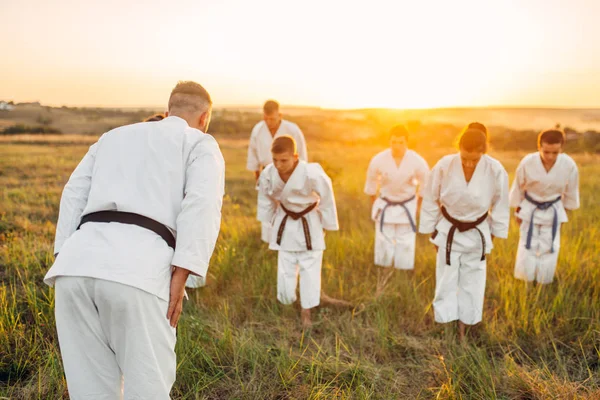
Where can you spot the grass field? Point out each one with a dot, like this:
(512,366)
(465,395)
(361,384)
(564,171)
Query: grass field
(236,342)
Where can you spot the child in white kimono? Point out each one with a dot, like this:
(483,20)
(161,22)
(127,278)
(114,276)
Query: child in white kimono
(296,199)
(545,186)
(465,205)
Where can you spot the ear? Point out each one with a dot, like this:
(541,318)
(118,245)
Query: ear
(166,114)
(203,120)
(296,157)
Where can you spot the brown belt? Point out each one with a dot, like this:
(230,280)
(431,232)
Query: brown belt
(132,219)
(296,216)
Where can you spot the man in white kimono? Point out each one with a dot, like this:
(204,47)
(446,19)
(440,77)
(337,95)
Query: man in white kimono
(140,213)
(395,174)
(296,199)
(545,187)
(261,139)
(465,205)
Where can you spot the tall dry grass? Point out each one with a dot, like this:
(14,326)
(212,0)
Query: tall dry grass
(236,342)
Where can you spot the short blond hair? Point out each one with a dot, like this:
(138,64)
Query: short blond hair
(270,107)
(189,96)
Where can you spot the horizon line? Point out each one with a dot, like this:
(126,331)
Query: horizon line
(317,107)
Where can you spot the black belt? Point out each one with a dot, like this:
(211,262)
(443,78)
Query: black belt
(295,216)
(132,219)
(462,227)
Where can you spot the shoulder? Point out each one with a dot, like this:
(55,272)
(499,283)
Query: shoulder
(291,126)
(314,170)
(495,165)
(416,156)
(445,161)
(529,158)
(203,144)
(380,156)
(267,171)
(259,125)
(137,127)
(567,160)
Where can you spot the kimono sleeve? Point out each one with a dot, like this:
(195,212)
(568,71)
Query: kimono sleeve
(74,198)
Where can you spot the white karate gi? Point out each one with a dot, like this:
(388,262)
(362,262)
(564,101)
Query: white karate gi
(562,181)
(460,286)
(259,151)
(395,239)
(307,185)
(120,273)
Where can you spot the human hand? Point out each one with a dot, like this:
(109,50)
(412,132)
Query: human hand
(178,278)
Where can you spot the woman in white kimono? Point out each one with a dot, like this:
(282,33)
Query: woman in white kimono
(465,205)
(545,186)
(296,199)
(392,181)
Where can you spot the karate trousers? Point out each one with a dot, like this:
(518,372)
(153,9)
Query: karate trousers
(538,263)
(459,287)
(307,266)
(265,232)
(115,340)
(395,246)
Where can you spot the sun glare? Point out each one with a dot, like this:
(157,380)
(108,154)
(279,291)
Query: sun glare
(340,54)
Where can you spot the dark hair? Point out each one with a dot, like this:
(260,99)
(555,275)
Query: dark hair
(155,117)
(284,144)
(552,136)
(478,125)
(270,107)
(400,131)
(474,137)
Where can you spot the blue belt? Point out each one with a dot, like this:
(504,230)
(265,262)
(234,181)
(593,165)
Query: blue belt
(389,203)
(542,205)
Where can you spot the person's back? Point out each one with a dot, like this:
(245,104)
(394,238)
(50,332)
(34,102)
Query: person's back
(139,169)
(139,214)
(142,168)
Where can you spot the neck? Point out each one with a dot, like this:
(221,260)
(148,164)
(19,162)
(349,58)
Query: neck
(274,130)
(286,176)
(398,153)
(192,119)
(548,164)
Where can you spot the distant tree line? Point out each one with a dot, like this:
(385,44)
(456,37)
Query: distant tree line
(22,128)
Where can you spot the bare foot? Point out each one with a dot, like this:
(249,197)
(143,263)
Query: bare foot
(327,300)
(306,321)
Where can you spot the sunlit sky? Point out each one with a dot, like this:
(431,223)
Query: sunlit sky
(334,54)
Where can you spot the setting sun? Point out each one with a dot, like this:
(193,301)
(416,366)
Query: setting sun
(335,54)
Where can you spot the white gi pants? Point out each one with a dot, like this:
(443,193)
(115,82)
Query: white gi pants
(307,264)
(108,330)
(396,245)
(265,233)
(459,287)
(538,263)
